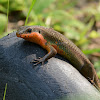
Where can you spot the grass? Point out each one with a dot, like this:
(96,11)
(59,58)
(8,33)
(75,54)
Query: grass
(30,9)
(5,92)
(91,51)
(7,16)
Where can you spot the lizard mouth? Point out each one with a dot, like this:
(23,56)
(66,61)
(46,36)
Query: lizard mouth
(18,35)
(22,35)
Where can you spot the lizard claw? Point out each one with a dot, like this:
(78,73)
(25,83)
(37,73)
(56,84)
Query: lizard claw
(91,80)
(37,61)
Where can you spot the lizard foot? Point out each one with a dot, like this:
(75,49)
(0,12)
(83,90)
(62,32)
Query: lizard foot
(37,61)
(90,80)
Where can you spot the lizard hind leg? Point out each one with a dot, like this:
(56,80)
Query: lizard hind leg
(93,83)
(93,76)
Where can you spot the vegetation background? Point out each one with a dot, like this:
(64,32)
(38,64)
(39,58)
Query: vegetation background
(78,20)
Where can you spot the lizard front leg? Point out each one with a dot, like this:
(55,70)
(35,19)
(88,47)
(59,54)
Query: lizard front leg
(51,52)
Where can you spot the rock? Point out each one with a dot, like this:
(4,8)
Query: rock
(56,79)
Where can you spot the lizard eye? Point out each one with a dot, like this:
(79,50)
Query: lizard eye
(29,30)
(39,31)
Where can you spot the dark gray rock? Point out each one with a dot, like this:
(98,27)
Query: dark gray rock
(55,80)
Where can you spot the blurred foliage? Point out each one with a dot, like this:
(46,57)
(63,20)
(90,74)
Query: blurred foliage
(3,22)
(75,19)
(14,5)
(97,66)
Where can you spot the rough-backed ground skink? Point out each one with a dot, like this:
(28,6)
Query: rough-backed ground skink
(54,42)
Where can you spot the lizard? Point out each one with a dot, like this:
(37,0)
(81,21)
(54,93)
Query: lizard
(54,42)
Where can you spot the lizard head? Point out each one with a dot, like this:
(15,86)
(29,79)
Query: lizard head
(26,31)
(32,34)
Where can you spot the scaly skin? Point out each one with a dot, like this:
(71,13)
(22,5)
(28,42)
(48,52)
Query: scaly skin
(54,42)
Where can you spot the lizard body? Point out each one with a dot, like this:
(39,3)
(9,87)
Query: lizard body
(54,42)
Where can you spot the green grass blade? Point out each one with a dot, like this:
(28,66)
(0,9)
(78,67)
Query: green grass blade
(7,16)
(5,92)
(91,51)
(33,2)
